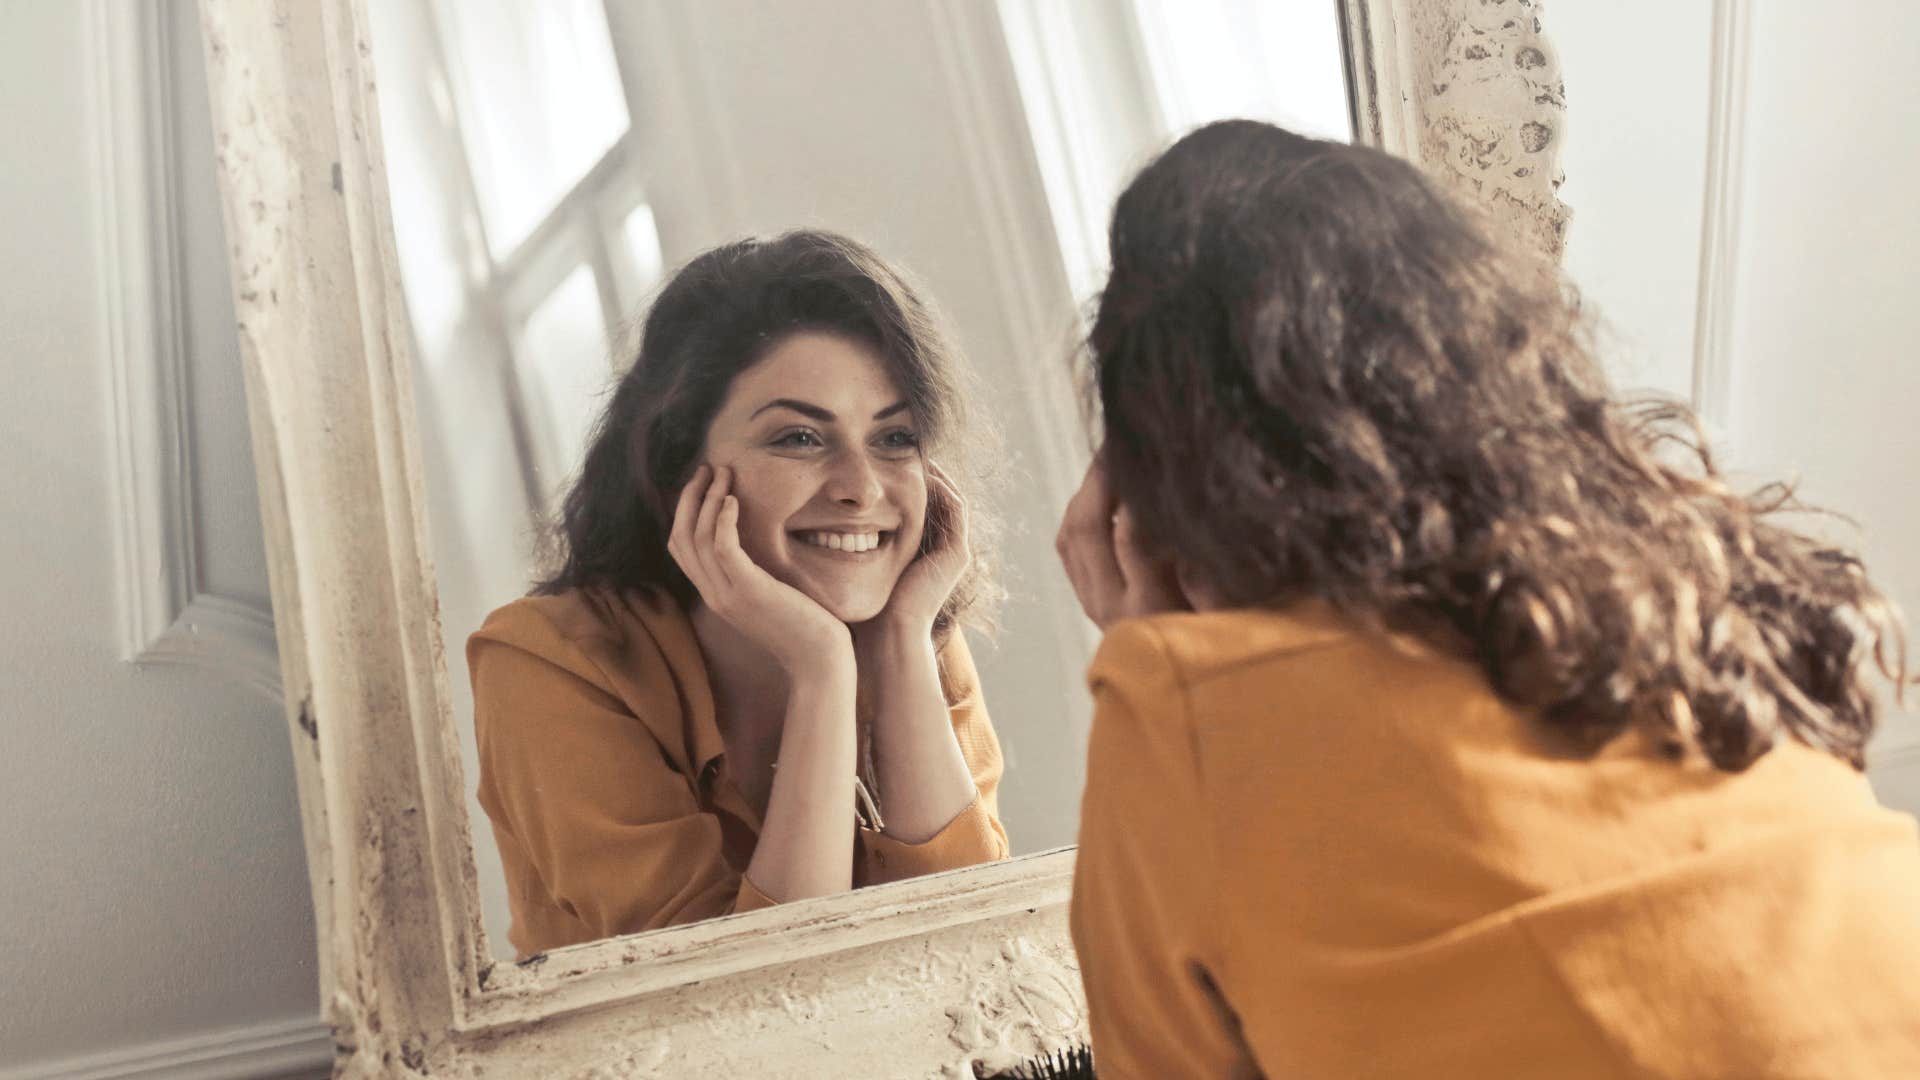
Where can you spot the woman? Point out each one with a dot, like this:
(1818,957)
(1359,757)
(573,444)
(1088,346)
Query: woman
(762,566)
(1484,739)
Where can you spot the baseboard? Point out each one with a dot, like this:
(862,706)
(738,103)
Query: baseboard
(279,1050)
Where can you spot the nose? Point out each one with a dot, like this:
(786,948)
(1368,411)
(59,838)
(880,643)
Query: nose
(853,482)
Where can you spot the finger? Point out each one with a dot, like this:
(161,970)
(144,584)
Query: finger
(945,506)
(1093,548)
(1078,583)
(728,555)
(1072,519)
(1085,544)
(726,531)
(1094,573)
(1098,593)
(1092,506)
(716,496)
(686,510)
(703,529)
(1135,568)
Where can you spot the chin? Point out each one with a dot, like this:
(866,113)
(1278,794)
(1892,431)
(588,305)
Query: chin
(851,609)
(851,593)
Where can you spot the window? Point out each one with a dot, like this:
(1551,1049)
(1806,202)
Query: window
(1107,84)
(523,229)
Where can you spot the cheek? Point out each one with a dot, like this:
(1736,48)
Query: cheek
(763,509)
(910,493)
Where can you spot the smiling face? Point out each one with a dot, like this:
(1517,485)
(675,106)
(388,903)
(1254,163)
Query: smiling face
(827,469)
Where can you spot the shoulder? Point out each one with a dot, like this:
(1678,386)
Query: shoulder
(1177,650)
(1307,669)
(588,619)
(584,630)
(588,653)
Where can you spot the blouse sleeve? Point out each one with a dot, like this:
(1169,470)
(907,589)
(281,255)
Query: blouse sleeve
(1141,913)
(975,835)
(611,829)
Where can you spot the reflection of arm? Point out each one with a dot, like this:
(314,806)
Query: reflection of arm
(610,828)
(803,849)
(1144,876)
(965,830)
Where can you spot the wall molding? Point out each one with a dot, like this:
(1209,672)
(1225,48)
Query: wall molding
(1720,216)
(167,616)
(280,1048)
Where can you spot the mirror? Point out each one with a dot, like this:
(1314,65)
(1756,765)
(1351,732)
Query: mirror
(552,165)
(953,974)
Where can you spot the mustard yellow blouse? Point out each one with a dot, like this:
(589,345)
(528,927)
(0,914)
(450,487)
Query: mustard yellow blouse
(1307,851)
(604,774)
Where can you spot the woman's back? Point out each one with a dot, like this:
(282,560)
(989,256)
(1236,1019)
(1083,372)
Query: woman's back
(1387,870)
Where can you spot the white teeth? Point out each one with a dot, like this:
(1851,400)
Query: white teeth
(851,542)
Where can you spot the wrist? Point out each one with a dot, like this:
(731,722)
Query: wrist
(892,630)
(825,656)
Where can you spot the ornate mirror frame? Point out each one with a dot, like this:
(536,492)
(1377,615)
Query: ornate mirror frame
(918,978)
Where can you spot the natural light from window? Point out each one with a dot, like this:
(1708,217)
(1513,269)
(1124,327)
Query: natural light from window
(540,101)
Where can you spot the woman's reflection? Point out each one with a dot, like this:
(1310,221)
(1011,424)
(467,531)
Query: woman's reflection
(745,684)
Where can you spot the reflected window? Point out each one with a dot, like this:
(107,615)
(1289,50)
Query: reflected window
(562,363)
(1107,83)
(1213,59)
(642,235)
(521,217)
(539,100)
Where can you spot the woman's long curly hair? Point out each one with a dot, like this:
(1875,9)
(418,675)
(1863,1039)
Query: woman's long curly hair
(1320,376)
(719,315)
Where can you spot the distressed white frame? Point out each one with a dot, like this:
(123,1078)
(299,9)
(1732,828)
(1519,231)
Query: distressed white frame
(918,978)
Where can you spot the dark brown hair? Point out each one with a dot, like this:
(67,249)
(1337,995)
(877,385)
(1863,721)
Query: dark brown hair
(719,315)
(1320,376)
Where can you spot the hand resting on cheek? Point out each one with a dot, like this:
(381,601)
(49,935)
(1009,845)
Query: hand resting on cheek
(1098,545)
(789,625)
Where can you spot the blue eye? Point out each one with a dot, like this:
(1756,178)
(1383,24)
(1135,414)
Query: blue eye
(900,440)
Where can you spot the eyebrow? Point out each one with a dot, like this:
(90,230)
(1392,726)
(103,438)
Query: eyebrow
(815,412)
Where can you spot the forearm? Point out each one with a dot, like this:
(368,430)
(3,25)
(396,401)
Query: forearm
(804,848)
(924,782)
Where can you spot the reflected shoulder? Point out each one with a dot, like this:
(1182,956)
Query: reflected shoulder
(585,617)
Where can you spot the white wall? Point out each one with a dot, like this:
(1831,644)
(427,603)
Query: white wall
(1824,382)
(1635,159)
(1825,243)
(154,908)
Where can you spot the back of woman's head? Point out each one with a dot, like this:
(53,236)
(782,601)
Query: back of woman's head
(1320,376)
(720,314)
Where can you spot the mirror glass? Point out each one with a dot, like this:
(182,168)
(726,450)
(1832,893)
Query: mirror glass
(551,166)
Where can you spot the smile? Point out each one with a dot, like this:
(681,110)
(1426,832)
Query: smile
(851,543)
